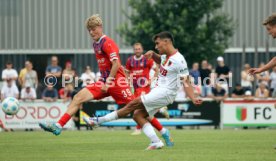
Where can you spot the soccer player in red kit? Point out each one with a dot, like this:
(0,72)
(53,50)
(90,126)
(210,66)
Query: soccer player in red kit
(113,80)
(138,70)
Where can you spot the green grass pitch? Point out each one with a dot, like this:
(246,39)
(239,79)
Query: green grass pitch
(119,145)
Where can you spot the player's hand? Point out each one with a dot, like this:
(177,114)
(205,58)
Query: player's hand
(253,71)
(148,54)
(197,101)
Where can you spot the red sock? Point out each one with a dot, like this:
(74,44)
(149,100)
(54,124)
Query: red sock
(138,127)
(64,119)
(155,123)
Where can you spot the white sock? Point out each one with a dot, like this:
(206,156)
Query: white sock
(109,117)
(58,125)
(150,133)
(163,131)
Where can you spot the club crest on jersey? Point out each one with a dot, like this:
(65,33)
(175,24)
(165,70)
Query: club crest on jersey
(163,62)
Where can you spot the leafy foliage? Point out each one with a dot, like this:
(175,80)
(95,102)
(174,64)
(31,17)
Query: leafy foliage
(200,29)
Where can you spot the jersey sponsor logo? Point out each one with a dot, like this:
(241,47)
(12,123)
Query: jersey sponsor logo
(101,60)
(163,71)
(138,71)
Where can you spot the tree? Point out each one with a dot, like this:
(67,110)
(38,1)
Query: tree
(200,29)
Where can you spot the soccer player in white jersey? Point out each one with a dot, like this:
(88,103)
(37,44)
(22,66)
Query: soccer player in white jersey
(173,69)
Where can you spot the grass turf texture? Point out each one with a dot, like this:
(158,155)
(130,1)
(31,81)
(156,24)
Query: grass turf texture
(105,145)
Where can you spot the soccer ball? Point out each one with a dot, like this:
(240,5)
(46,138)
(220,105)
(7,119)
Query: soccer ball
(10,105)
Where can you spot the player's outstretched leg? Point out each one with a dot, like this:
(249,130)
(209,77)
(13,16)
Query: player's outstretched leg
(123,112)
(56,128)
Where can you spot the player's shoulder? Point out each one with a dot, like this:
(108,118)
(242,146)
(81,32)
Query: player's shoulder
(108,39)
(130,58)
(178,57)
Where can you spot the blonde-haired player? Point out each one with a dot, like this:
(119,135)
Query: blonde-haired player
(112,82)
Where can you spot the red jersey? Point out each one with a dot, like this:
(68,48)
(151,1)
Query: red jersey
(140,69)
(106,51)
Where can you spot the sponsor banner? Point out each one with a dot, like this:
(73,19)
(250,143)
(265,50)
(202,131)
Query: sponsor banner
(31,113)
(181,113)
(249,113)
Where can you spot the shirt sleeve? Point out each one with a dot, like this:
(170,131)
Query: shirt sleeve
(111,50)
(47,69)
(43,93)
(34,93)
(59,69)
(4,76)
(22,93)
(15,73)
(3,90)
(128,67)
(182,69)
(16,91)
(55,93)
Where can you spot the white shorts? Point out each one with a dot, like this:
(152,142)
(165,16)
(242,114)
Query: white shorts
(157,98)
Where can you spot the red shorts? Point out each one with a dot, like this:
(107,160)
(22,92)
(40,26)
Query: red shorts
(142,90)
(121,94)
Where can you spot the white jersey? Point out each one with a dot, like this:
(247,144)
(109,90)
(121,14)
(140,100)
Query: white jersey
(171,70)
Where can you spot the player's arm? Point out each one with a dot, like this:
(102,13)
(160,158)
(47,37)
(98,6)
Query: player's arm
(189,90)
(269,65)
(151,54)
(115,67)
(156,69)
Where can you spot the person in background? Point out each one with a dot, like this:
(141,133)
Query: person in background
(88,76)
(262,91)
(262,76)
(30,77)
(238,92)
(98,76)
(273,82)
(9,89)
(28,93)
(205,79)
(194,72)
(54,70)
(9,73)
(69,73)
(210,67)
(218,93)
(22,73)
(222,73)
(246,80)
(50,94)
(248,96)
